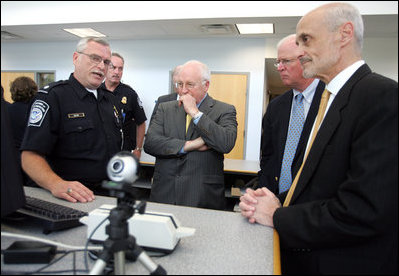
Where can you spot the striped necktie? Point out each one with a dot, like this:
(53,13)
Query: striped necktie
(293,135)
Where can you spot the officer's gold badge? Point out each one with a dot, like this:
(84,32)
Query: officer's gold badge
(124,100)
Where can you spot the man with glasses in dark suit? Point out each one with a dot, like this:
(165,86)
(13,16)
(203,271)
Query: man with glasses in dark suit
(282,140)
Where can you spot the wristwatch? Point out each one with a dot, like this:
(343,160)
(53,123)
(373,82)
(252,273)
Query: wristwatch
(139,149)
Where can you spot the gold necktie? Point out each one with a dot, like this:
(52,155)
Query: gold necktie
(276,238)
(188,120)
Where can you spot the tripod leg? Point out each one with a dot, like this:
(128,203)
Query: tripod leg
(139,253)
(98,267)
(119,263)
(103,259)
(152,267)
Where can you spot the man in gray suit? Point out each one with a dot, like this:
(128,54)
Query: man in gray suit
(189,164)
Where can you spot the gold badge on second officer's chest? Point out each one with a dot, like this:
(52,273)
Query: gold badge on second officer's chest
(124,100)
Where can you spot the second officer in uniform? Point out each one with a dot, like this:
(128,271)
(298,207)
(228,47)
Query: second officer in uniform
(133,114)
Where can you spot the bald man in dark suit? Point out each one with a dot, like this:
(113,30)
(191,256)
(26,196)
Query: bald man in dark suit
(341,216)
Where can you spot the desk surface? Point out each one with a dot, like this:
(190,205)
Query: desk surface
(224,242)
(230,165)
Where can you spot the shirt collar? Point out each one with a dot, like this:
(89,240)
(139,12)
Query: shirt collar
(198,105)
(81,90)
(339,80)
(309,91)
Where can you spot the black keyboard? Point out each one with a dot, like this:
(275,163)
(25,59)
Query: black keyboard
(52,216)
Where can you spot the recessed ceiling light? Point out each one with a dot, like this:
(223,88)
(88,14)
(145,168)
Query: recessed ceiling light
(84,32)
(267,28)
(218,29)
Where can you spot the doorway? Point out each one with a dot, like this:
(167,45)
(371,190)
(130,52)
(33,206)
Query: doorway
(232,88)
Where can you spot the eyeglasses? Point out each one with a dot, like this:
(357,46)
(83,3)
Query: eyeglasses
(189,85)
(97,59)
(284,62)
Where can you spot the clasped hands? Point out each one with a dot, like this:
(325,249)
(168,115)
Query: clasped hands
(259,206)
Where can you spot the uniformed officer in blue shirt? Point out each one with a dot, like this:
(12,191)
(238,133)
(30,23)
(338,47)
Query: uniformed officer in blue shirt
(131,107)
(74,128)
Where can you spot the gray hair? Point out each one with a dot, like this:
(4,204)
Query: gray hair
(114,54)
(205,73)
(339,13)
(82,44)
(176,70)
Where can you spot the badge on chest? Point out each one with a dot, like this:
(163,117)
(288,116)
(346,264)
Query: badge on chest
(76,115)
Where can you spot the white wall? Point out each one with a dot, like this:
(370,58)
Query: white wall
(380,53)
(147,66)
(148,62)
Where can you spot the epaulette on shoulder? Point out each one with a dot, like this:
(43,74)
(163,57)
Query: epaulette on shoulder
(50,86)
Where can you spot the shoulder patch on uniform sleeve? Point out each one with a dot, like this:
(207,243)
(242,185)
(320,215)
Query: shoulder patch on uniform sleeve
(38,113)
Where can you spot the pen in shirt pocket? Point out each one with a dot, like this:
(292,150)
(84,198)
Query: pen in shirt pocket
(116,114)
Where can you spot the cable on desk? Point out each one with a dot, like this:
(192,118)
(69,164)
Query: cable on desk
(33,238)
(74,263)
(55,261)
(88,240)
(65,253)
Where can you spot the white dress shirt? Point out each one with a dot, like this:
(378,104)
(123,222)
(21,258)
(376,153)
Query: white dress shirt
(335,85)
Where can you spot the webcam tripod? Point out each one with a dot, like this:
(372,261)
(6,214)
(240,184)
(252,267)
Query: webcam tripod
(119,241)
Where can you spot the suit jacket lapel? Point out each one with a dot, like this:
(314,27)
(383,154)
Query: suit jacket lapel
(180,121)
(327,129)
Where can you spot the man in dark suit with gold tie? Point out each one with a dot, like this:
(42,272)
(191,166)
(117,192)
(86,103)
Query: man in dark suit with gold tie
(340,215)
(189,138)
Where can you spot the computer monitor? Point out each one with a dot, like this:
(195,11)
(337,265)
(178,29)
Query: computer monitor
(12,192)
